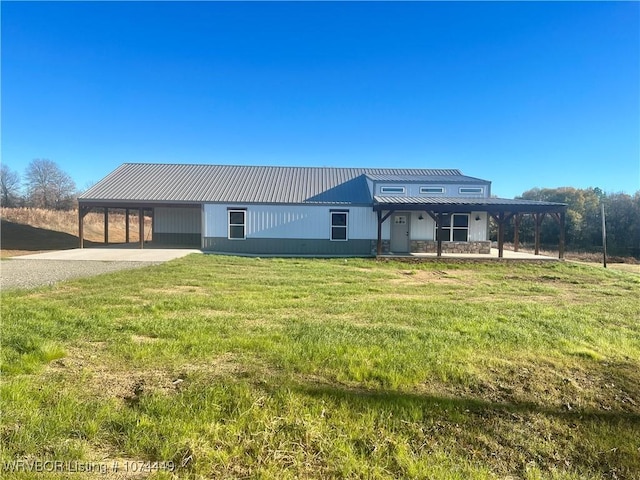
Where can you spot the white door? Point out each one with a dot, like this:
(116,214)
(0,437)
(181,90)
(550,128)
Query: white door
(400,233)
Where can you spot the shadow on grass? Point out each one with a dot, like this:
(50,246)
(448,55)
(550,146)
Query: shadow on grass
(395,400)
(16,236)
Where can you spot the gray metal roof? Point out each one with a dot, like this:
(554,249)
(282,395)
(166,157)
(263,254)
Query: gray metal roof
(460,204)
(442,176)
(144,182)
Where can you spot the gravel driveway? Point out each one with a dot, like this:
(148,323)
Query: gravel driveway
(34,273)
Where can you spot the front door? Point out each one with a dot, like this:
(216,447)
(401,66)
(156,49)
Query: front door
(400,233)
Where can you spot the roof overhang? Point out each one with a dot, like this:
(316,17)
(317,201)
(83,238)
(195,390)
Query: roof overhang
(464,205)
(97,203)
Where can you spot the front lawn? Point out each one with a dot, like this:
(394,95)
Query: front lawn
(227,367)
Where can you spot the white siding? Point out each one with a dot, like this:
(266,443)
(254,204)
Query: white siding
(293,221)
(478,228)
(176,220)
(422,229)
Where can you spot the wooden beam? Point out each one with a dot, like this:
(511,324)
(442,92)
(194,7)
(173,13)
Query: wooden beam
(126,225)
(381,220)
(432,215)
(141,226)
(106,225)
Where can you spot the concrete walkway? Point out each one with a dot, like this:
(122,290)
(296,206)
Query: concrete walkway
(112,254)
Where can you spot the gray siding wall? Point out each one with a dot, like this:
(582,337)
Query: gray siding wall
(177,226)
(177,220)
(192,240)
(288,246)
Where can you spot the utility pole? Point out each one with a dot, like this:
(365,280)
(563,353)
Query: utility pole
(604,237)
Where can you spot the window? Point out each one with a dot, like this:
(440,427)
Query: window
(339,225)
(471,190)
(391,189)
(237,230)
(431,189)
(455,228)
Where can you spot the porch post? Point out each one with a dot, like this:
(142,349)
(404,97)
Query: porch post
(439,226)
(106,225)
(379,245)
(516,232)
(126,225)
(500,235)
(141,226)
(560,217)
(538,217)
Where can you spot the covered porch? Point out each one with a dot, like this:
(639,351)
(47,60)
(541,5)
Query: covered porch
(443,210)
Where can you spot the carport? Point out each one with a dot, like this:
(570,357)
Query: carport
(142,209)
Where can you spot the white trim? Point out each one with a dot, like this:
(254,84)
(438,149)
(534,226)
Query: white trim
(473,190)
(390,189)
(243,225)
(451,228)
(345,226)
(437,190)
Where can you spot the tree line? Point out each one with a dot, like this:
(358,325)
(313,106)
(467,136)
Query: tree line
(583,227)
(43,185)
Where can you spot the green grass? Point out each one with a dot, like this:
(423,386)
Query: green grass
(288,368)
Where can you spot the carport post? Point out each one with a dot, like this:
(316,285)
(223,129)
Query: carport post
(82,211)
(126,225)
(141,226)
(106,225)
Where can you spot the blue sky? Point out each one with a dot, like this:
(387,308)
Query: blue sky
(532,94)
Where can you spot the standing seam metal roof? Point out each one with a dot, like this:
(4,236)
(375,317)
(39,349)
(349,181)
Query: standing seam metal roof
(144,182)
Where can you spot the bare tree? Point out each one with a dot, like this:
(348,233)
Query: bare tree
(48,186)
(10,185)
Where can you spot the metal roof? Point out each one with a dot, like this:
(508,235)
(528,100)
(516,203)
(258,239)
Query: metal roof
(460,204)
(144,182)
(442,176)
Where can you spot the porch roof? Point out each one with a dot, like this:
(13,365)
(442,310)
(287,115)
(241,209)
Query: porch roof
(459,204)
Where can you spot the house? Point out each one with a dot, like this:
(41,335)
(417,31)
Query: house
(261,210)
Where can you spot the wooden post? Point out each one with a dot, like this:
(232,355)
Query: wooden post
(381,220)
(501,218)
(516,232)
(379,245)
(82,212)
(141,226)
(106,225)
(604,237)
(538,221)
(439,226)
(126,225)
(561,245)
(500,234)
